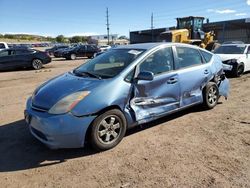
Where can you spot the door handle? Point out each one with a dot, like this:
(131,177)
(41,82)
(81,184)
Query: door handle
(172,81)
(206,71)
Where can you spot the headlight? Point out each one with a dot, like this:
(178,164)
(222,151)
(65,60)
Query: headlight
(68,103)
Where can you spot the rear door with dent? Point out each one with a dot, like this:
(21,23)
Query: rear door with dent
(193,74)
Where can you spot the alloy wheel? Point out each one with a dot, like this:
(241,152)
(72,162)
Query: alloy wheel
(109,129)
(212,95)
(37,64)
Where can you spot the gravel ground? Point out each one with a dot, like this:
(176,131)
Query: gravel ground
(192,148)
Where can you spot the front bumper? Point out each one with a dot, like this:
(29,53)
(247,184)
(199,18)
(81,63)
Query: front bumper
(57,131)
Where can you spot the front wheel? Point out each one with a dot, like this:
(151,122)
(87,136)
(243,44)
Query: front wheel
(108,129)
(239,70)
(210,95)
(37,64)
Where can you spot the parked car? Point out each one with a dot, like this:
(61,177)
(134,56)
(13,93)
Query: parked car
(102,52)
(104,47)
(237,55)
(22,58)
(87,50)
(124,87)
(51,51)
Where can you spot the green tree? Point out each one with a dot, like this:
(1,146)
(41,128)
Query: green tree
(123,37)
(75,39)
(60,39)
(51,39)
(9,36)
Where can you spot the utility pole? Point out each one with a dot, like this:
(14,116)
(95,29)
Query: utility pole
(107,16)
(152,27)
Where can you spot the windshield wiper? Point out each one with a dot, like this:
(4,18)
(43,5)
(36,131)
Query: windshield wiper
(83,73)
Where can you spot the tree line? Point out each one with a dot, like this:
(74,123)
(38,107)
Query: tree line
(59,38)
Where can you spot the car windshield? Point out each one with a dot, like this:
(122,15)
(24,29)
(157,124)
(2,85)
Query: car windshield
(231,49)
(109,64)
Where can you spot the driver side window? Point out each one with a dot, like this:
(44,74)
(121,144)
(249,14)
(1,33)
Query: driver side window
(159,62)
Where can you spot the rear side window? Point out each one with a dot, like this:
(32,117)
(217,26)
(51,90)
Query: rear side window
(21,52)
(188,57)
(90,48)
(4,53)
(7,53)
(207,56)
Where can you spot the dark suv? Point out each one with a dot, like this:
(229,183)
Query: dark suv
(87,50)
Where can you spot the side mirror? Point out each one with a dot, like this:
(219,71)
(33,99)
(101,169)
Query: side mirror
(146,75)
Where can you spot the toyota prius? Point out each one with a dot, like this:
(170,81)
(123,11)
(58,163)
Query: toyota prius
(122,88)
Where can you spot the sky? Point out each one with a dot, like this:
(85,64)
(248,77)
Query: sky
(88,17)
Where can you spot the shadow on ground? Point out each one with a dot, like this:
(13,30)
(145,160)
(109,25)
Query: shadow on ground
(20,151)
(64,59)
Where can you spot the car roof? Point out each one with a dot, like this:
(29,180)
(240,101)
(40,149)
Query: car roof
(235,44)
(20,48)
(148,46)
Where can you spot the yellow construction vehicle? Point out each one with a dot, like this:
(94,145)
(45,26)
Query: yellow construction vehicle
(189,30)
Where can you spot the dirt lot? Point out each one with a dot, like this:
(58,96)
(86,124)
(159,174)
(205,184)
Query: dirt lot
(193,148)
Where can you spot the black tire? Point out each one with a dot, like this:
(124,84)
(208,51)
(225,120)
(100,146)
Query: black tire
(37,64)
(107,130)
(238,70)
(73,56)
(210,95)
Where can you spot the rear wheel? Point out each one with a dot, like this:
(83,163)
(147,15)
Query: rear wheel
(73,56)
(210,95)
(37,64)
(108,129)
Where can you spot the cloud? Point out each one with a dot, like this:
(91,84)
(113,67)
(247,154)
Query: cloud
(241,14)
(210,10)
(224,11)
(248,2)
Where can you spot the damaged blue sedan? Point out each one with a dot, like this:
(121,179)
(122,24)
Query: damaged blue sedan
(124,87)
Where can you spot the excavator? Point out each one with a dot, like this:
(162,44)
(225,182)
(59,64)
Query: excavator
(189,30)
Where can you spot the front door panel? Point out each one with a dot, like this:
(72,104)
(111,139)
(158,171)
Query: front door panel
(155,98)
(158,97)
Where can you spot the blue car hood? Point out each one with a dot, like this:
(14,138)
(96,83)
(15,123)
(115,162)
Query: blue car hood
(59,87)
